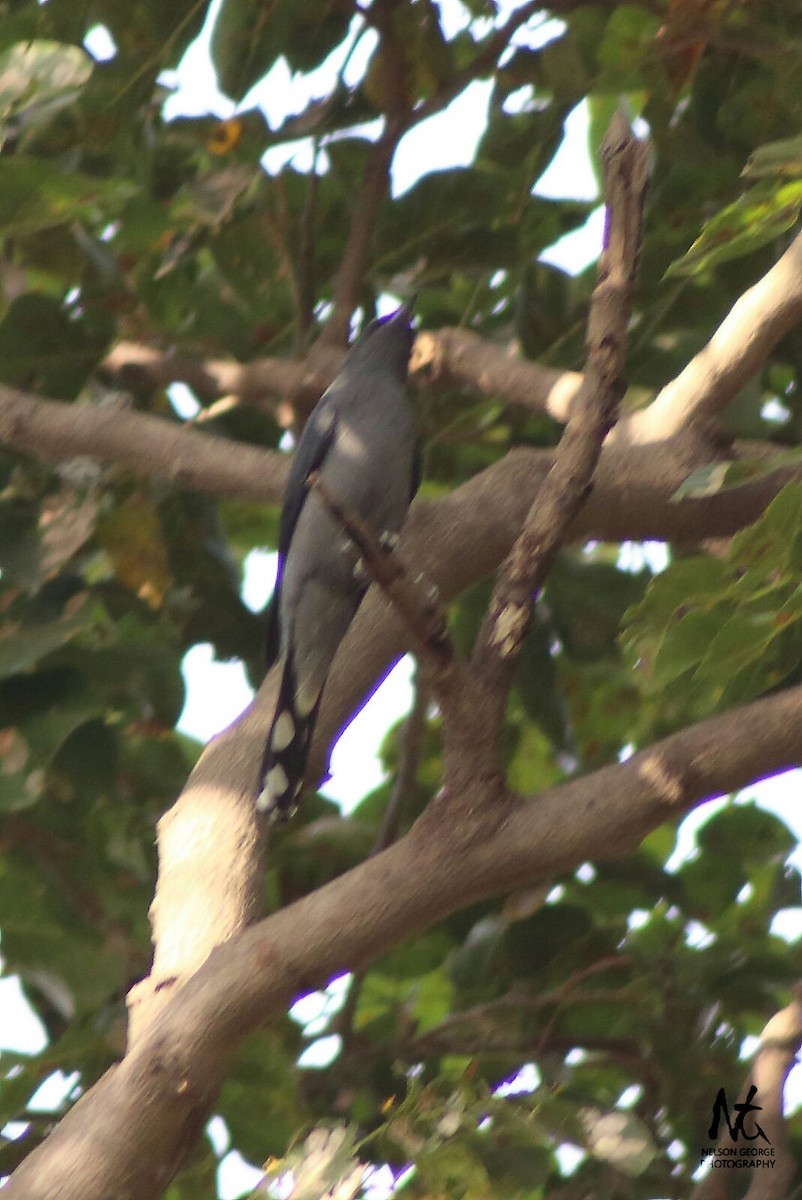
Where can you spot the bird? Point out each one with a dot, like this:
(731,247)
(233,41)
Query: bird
(361,443)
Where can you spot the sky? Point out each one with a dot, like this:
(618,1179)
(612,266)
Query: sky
(217,692)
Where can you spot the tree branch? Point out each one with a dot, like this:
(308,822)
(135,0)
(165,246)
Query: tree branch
(135,366)
(375,183)
(374,188)
(465,536)
(48,429)
(441,358)
(625,161)
(455,540)
(733,356)
(406,778)
(418,604)
(774,1058)
(449,357)
(482,63)
(736,352)
(131,1132)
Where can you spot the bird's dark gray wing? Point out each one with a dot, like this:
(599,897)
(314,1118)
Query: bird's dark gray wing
(313,447)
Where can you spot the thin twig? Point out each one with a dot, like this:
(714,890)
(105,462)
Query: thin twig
(411,742)
(375,183)
(407,776)
(482,63)
(419,605)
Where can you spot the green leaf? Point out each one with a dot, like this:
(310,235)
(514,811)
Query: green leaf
(45,349)
(38,78)
(531,944)
(762,214)
(68,960)
(777,160)
(746,832)
(260,1101)
(22,646)
(248,38)
(36,194)
(723,476)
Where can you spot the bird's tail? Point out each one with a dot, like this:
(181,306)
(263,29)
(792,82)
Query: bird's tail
(284,764)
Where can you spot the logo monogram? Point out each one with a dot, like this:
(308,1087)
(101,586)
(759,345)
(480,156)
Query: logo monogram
(736,1129)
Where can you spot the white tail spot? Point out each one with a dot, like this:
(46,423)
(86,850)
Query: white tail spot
(276,782)
(283,732)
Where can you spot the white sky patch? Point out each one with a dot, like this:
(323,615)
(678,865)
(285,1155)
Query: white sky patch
(236,1176)
(299,154)
(577,250)
(21,1029)
(196,92)
(634,556)
(258,578)
(638,918)
(444,141)
(218,1135)
(569,1158)
(355,766)
(100,44)
(216,693)
(315,1009)
(52,1093)
(775,410)
(570,173)
(526,1081)
(282,93)
(184,401)
(630,1096)
(698,936)
(322,1052)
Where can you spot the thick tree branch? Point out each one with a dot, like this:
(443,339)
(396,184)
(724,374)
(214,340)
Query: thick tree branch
(442,358)
(774,1058)
(462,537)
(47,429)
(131,1132)
(458,357)
(465,536)
(733,356)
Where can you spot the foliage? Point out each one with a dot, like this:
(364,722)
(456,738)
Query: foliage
(118,224)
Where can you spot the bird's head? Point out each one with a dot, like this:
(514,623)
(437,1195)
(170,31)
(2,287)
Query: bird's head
(386,343)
